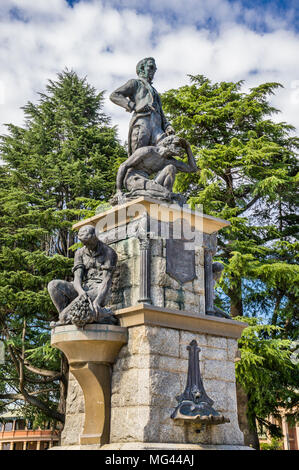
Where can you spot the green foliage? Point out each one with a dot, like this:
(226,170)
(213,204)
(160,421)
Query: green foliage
(275,444)
(249,176)
(267,371)
(56,169)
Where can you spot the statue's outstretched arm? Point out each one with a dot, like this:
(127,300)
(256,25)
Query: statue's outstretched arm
(123,168)
(78,277)
(189,167)
(191,159)
(78,271)
(108,270)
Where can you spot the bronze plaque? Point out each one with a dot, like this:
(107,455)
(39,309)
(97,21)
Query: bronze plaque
(180,262)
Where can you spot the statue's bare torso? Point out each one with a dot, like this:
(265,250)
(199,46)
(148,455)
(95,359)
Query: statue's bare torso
(149,161)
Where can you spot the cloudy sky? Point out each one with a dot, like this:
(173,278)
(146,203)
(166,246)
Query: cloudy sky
(252,40)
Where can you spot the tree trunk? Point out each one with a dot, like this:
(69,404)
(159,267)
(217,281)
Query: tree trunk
(64,368)
(250,433)
(236,303)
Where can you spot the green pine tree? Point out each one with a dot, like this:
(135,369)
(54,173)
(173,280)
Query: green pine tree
(57,168)
(248,175)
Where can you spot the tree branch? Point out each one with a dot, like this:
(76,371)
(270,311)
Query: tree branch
(52,374)
(29,397)
(251,203)
(20,396)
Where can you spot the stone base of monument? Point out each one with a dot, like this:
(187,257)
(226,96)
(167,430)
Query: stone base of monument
(162,294)
(151,371)
(148,374)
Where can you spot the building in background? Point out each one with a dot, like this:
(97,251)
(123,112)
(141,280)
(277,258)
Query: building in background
(290,439)
(16,433)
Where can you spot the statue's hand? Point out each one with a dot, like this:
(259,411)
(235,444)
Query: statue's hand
(131,106)
(146,109)
(97,303)
(169,130)
(82,292)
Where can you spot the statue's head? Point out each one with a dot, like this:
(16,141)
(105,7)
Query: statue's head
(87,233)
(173,145)
(146,68)
(217,269)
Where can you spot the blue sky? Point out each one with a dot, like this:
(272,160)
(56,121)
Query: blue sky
(256,41)
(172,11)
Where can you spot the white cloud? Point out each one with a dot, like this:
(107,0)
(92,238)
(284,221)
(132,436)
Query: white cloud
(105,42)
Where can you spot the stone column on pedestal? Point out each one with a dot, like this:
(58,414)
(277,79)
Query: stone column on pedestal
(209,285)
(145,271)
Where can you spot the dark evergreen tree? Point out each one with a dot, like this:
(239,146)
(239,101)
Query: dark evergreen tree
(249,176)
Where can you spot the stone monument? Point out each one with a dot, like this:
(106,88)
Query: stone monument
(130,368)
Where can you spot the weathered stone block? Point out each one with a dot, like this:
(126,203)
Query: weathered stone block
(74,413)
(212,353)
(196,435)
(232,348)
(157,296)
(157,247)
(128,423)
(173,305)
(122,249)
(191,308)
(164,386)
(173,295)
(191,298)
(231,394)
(217,342)
(131,388)
(158,269)
(163,341)
(72,429)
(138,343)
(75,398)
(200,276)
(228,433)
(185,339)
(152,428)
(202,305)
(199,255)
(171,433)
(221,370)
(172,364)
(196,287)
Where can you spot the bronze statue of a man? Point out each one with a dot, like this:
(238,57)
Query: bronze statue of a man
(82,301)
(148,124)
